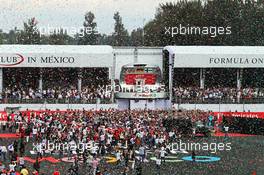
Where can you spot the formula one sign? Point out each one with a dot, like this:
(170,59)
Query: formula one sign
(219,61)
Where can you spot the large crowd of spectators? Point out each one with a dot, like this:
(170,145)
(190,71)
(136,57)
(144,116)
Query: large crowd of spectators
(58,84)
(210,94)
(86,95)
(25,78)
(90,94)
(111,130)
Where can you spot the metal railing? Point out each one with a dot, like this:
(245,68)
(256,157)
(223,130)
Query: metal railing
(54,101)
(259,100)
(176,100)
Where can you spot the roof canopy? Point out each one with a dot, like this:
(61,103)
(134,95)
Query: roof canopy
(55,56)
(217,56)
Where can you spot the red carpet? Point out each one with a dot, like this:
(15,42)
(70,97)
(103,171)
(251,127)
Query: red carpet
(8,135)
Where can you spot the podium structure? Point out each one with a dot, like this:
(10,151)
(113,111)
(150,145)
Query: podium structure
(141,87)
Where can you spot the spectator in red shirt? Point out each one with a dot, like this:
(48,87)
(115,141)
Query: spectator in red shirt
(56,172)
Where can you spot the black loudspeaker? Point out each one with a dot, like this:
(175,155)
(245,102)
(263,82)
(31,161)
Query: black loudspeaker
(182,125)
(244,125)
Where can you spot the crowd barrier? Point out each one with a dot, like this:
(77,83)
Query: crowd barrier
(54,101)
(241,114)
(29,113)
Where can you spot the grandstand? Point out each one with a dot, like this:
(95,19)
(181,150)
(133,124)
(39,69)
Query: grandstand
(204,77)
(30,74)
(215,77)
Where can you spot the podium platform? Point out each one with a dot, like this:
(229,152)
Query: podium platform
(142,101)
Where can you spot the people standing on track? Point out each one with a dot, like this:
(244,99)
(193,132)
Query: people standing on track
(226,128)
